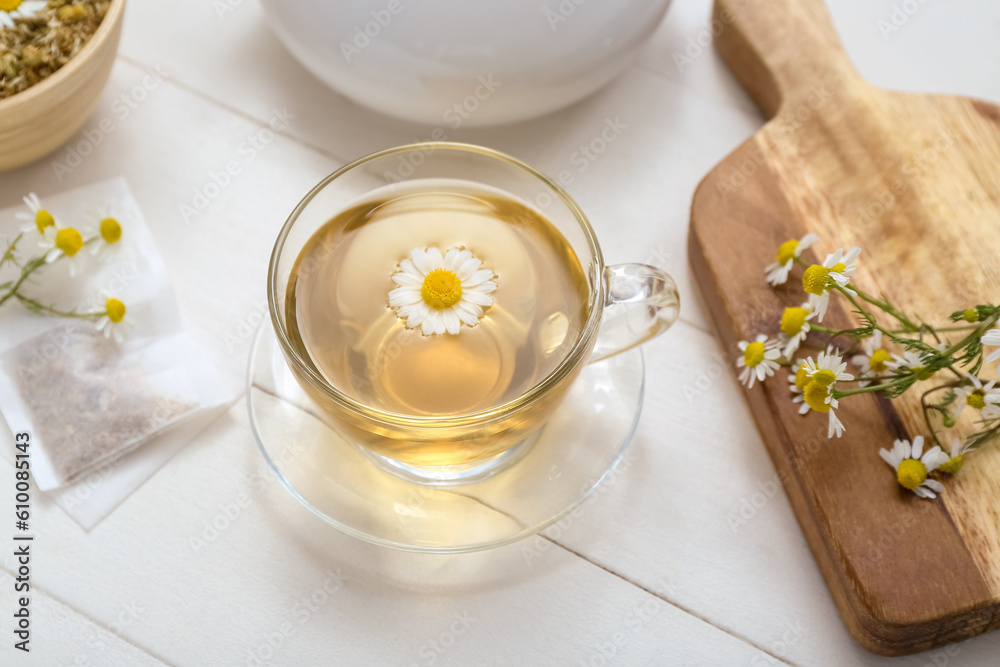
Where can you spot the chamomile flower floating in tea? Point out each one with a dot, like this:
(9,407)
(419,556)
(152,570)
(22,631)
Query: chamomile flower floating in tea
(440,293)
(912,465)
(945,361)
(788,253)
(19,9)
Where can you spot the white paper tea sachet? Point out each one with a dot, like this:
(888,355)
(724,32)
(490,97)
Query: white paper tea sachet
(94,361)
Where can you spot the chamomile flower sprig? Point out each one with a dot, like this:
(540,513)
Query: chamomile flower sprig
(892,356)
(59,243)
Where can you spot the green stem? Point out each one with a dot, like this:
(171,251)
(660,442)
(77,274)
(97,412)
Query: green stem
(864,390)
(892,310)
(8,253)
(60,313)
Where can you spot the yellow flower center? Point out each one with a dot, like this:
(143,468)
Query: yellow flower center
(815,397)
(69,241)
(111,231)
(43,218)
(911,473)
(878,360)
(786,251)
(952,465)
(815,279)
(824,377)
(971,315)
(754,354)
(923,373)
(801,377)
(9,5)
(442,289)
(115,310)
(977,399)
(838,267)
(792,320)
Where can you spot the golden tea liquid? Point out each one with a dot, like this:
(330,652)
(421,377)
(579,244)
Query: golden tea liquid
(338,312)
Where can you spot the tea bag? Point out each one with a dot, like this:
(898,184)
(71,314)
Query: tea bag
(85,399)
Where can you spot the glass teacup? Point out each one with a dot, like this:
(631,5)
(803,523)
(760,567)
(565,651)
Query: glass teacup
(437,301)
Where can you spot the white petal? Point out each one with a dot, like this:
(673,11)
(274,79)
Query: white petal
(468,268)
(478,278)
(889,458)
(935,485)
(485,288)
(435,258)
(454,259)
(477,298)
(103,322)
(403,296)
(452,323)
(420,261)
(805,242)
(405,279)
(923,493)
(917,447)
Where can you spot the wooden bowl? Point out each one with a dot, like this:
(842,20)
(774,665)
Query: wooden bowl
(38,120)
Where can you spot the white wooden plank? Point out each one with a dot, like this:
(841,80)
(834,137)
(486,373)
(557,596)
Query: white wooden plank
(213,542)
(61,636)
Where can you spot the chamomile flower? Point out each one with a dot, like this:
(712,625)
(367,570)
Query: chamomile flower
(40,220)
(819,279)
(441,292)
(912,465)
(759,359)
(794,328)
(956,458)
(18,9)
(797,385)
(105,227)
(875,360)
(777,272)
(828,368)
(820,398)
(992,338)
(66,242)
(114,323)
(977,396)
(913,362)
(823,375)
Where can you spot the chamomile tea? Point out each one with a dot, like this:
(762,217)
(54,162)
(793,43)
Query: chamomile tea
(436,298)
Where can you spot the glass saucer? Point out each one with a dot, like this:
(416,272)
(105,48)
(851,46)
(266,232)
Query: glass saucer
(543,480)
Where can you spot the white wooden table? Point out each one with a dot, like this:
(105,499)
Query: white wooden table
(653,571)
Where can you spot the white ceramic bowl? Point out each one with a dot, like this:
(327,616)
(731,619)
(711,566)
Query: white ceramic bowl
(464,62)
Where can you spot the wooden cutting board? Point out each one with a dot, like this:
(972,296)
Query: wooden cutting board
(915,181)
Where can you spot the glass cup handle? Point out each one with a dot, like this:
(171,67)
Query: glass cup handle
(642,302)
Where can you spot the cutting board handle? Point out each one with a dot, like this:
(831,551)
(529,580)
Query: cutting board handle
(781,51)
